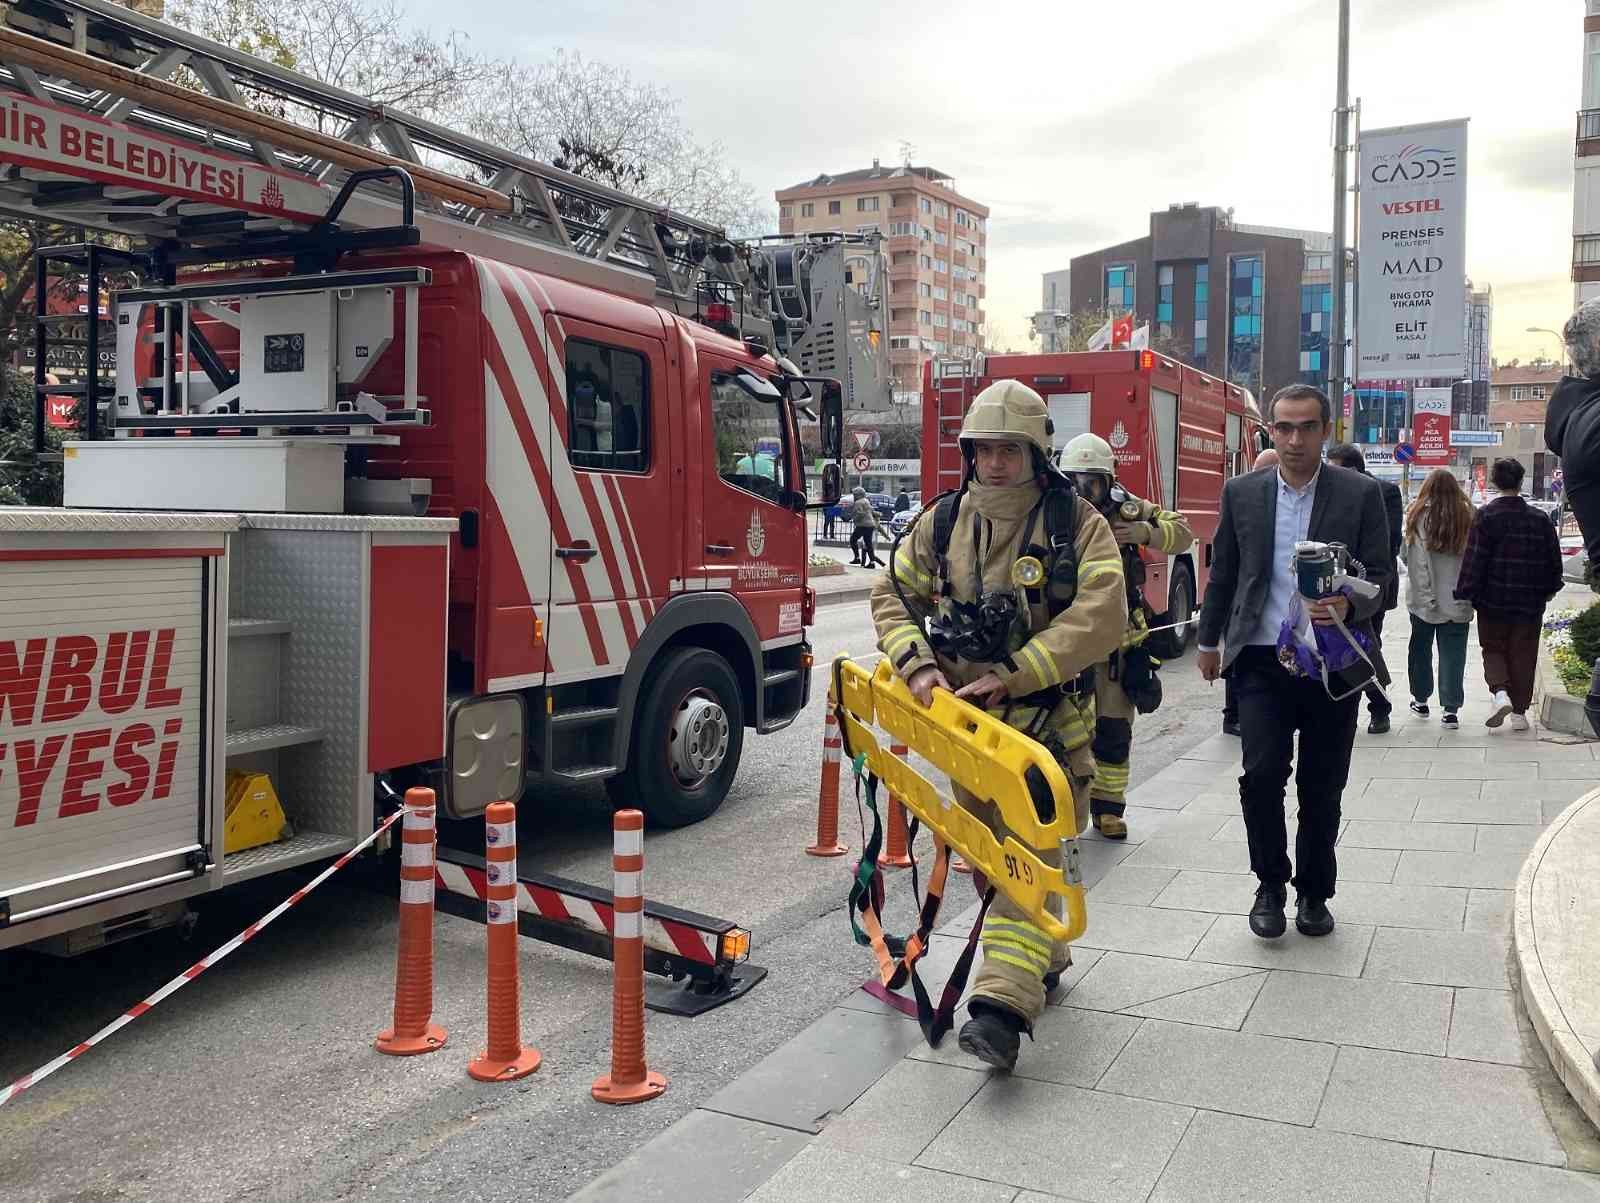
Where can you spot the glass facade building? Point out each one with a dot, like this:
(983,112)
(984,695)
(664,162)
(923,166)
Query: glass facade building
(1246,287)
(1316,320)
(1119,288)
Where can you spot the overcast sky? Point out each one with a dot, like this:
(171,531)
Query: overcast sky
(1072,121)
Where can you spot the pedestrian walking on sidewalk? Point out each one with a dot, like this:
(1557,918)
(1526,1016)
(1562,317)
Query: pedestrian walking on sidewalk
(1265,458)
(1248,599)
(1509,572)
(830,517)
(867,527)
(1437,526)
(1348,455)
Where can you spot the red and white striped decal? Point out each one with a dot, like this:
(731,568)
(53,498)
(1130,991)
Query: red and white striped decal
(663,935)
(188,975)
(603,600)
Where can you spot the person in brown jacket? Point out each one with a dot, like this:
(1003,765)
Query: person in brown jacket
(1035,672)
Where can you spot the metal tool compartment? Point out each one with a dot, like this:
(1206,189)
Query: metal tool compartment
(108,684)
(301,654)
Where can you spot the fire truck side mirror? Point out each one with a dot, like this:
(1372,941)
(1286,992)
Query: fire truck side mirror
(832,422)
(832,484)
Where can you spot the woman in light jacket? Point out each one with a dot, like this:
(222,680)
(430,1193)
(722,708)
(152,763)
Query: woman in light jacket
(1436,534)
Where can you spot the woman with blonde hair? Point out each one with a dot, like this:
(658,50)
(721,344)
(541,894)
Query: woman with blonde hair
(1435,536)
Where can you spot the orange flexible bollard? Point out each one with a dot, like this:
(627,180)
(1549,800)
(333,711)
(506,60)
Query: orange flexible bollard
(504,1059)
(896,852)
(413,1032)
(958,864)
(629,1080)
(828,794)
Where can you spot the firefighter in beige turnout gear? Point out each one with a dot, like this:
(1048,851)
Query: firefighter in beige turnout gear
(1034,678)
(1135,523)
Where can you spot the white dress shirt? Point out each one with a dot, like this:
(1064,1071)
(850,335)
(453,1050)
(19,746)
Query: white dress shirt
(1291,525)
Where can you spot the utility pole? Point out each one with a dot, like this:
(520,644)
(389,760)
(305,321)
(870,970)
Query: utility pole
(1341,139)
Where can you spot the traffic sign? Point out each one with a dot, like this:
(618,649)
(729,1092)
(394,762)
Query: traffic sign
(1404,453)
(862,461)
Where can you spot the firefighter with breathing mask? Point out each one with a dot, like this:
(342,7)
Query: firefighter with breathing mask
(1126,683)
(1008,591)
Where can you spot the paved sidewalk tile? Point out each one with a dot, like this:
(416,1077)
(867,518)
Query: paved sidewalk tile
(1431,837)
(1220,749)
(820,1173)
(1227,856)
(1509,806)
(1123,980)
(1395,806)
(1098,857)
(1215,802)
(1479,870)
(820,1072)
(1223,1005)
(1165,795)
(1050,1138)
(1131,885)
(1467,958)
(1489,910)
(705,1156)
(1508,838)
(1412,790)
(1346,1010)
(1202,771)
(1463,1178)
(1431,754)
(1464,1105)
(1542,753)
(1452,769)
(1551,807)
(1220,893)
(1343,952)
(1575,771)
(1145,824)
(1376,903)
(1142,929)
(1396,770)
(905,1109)
(1070,1047)
(1228,1157)
(1484,1027)
(1261,1076)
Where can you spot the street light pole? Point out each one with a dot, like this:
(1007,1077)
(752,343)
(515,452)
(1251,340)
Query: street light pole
(1560,342)
(1341,138)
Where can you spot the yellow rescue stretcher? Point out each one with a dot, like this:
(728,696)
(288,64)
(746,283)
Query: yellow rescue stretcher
(992,761)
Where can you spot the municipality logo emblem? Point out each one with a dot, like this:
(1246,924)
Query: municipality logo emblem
(755,537)
(1119,436)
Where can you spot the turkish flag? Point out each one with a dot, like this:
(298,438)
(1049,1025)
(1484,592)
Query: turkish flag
(1121,331)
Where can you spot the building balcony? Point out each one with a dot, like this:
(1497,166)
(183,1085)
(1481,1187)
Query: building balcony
(902,242)
(898,356)
(907,327)
(1586,257)
(1588,132)
(903,213)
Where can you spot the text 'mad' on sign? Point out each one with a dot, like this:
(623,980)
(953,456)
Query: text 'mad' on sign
(1412,252)
(1430,426)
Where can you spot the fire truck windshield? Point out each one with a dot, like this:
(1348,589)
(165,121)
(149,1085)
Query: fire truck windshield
(748,421)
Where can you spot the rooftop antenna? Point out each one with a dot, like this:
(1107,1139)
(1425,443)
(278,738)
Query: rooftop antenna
(906,150)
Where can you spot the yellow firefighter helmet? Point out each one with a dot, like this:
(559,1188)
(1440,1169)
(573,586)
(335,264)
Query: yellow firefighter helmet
(1009,411)
(1088,453)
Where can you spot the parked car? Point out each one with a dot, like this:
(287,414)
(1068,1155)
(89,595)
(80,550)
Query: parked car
(901,522)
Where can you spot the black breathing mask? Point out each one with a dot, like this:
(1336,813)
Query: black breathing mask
(979,631)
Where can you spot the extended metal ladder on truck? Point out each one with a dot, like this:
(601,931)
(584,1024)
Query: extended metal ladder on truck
(321,618)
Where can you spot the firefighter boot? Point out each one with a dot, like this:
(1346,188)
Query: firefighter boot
(993,1034)
(1112,827)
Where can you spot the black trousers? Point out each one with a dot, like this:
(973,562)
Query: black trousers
(1273,706)
(1377,701)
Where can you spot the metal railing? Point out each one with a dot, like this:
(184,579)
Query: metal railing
(1586,250)
(1588,124)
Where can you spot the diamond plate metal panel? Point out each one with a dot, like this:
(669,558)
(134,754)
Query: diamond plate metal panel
(348,522)
(37,520)
(313,579)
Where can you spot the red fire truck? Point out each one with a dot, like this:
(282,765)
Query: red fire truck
(403,479)
(1177,434)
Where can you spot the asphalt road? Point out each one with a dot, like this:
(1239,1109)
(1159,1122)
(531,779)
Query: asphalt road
(259,1080)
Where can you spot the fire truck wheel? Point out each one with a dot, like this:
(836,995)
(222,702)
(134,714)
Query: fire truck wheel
(1180,607)
(686,741)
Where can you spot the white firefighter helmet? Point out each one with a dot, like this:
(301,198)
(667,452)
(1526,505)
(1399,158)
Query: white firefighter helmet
(1008,411)
(1088,453)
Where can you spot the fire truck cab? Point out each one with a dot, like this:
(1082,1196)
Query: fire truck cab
(1177,433)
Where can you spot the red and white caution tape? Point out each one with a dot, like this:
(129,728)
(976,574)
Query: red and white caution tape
(188,975)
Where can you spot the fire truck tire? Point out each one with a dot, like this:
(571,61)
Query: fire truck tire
(1180,608)
(686,740)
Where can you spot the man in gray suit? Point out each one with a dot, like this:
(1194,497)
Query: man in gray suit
(1264,514)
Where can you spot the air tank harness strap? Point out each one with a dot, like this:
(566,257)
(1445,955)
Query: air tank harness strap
(897,956)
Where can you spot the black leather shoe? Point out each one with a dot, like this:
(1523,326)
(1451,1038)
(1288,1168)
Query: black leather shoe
(1230,726)
(1266,916)
(1379,725)
(993,1034)
(1312,917)
(1051,980)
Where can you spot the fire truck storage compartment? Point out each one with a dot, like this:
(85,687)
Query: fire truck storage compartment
(267,475)
(333,673)
(311,648)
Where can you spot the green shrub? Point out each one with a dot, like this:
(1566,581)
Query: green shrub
(1585,631)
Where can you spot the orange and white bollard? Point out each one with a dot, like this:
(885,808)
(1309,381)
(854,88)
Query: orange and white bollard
(629,1080)
(828,794)
(413,1032)
(896,852)
(504,1059)
(959,865)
